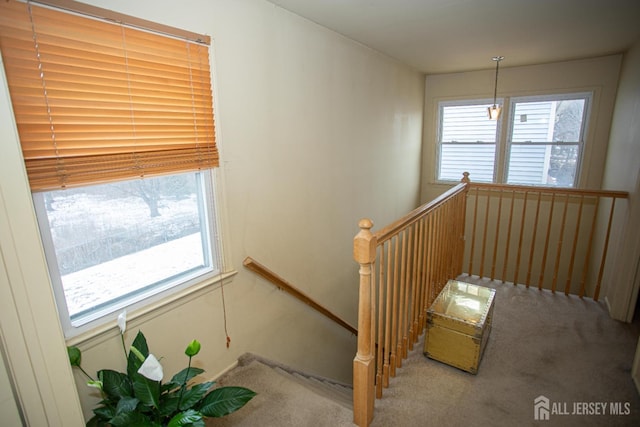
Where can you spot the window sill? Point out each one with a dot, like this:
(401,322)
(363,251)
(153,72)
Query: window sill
(140,316)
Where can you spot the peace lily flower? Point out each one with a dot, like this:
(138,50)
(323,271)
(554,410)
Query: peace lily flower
(151,369)
(122,322)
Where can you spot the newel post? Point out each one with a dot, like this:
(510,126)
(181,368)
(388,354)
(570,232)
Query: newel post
(364,253)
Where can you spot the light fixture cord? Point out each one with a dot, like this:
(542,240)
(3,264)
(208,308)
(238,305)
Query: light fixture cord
(495,87)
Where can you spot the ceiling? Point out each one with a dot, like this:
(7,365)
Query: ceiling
(444,36)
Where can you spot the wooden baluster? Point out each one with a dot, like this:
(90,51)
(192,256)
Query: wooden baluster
(387,319)
(452,237)
(394,315)
(364,253)
(437,251)
(506,251)
(430,257)
(484,233)
(462,213)
(567,286)
(473,231)
(443,237)
(533,240)
(463,216)
(414,276)
(449,240)
(446,241)
(450,213)
(546,242)
(418,285)
(522,222)
(407,297)
(441,248)
(380,318)
(589,247)
(556,268)
(497,238)
(464,197)
(402,307)
(423,273)
(604,250)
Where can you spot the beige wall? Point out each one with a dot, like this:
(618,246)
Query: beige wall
(9,413)
(599,75)
(313,128)
(623,172)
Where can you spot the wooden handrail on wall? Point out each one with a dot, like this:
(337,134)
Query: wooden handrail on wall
(282,284)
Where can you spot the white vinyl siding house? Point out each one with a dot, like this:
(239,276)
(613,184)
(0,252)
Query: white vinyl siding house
(467,142)
(544,141)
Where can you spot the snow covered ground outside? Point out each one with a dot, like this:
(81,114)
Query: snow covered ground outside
(87,288)
(108,244)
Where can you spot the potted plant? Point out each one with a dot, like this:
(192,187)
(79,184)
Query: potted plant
(139,397)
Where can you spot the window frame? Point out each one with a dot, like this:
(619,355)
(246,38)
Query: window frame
(504,131)
(439,143)
(586,115)
(163,290)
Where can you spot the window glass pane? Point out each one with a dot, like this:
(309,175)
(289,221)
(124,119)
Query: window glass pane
(569,116)
(548,121)
(543,164)
(477,159)
(119,241)
(467,123)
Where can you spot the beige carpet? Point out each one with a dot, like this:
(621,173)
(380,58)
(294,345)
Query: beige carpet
(281,400)
(564,348)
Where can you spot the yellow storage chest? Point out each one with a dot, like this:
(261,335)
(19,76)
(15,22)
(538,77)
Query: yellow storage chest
(458,325)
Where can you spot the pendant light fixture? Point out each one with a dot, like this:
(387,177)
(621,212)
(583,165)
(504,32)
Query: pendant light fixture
(495,109)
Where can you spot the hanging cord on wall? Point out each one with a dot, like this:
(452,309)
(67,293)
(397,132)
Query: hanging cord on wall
(219,262)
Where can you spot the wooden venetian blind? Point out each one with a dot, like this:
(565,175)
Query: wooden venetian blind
(96,101)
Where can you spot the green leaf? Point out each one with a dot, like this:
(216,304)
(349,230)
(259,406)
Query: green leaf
(168,386)
(194,394)
(146,390)
(104,413)
(193,348)
(187,418)
(126,404)
(75,355)
(133,362)
(185,375)
(225,400)
(131,419)
(95,421)
(115,384)
(169,403)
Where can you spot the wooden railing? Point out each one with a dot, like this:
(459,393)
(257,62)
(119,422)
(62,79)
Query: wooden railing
(551,238)
(548,237)
(403,267)
(282,284)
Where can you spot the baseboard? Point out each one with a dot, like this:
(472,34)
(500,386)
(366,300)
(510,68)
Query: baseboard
(225,371)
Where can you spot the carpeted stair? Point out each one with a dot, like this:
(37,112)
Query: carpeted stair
(286,397)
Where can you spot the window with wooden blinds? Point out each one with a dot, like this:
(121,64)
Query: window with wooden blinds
(97,101)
